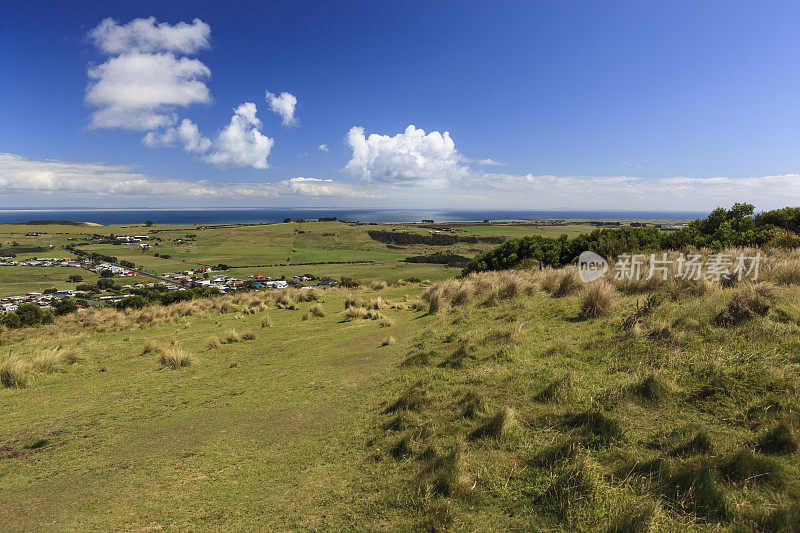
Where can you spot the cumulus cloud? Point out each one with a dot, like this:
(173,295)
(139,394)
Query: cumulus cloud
(489,162)
(187,134)
(241,142)
(323,148)
(145,35)
(284,105)
(23,175)
(142,85)
(409,157)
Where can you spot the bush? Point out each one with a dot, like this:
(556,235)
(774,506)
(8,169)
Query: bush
(65,306)
(132,302)
(11,320)
(30,314)
(349,283)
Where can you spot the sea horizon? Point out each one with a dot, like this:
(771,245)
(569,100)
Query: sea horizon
(110,216)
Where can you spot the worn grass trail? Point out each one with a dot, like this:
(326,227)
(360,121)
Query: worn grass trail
(258,434)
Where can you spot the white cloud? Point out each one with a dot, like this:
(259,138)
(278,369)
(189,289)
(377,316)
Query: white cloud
(489,162)
(187,133)
(323,148)
(241,142)
(23,175)
(145,36)
(284,105)
(142,86)
(408,157)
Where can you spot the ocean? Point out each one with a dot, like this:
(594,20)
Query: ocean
(256,216)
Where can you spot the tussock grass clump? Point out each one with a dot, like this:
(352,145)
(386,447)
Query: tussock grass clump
(376,303)
(266,322)
(213,343)
(233,337)
(777,441)
(495,426)
(317,310)
(48,360)
(248,336)
(472,405)
(417,359)
(13,372)
(173,357)
(691,487)
(598,300)
(458,358)
(386,323)
(560,390)
(378,285)
(651,389)
(568,284)
(744,465)
(351,302)
(149,347)
(636,518)
(352,313)
(411,400)
(782,272)
(441,476)
(746,305)
(564,449)
(309,295)
(402,448)
(574,484)
(389,340)
(595,428)
(402,421)
(699,444)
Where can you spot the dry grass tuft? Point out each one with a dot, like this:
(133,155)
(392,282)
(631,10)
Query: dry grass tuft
(598,300)
(13,372)
(173,358)
(389,340)
(317,310)
(378,285)
(496,426)
(213,343)
(266,322)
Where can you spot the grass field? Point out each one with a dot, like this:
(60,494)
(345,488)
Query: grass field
(502,402)
(318,248)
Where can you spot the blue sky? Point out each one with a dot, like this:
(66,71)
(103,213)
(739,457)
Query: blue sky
(674,105)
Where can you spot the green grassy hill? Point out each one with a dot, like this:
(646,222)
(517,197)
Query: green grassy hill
(502,401)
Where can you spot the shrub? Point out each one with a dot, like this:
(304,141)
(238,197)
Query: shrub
(174,358)
(11,320)
(598,300)
(349,283)
(29,314)
(65,306)
(132,302)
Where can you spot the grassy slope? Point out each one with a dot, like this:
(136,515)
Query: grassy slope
(728,384)
(270,443)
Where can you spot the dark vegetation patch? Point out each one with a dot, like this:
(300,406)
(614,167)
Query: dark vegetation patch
(440,258)
(434,239)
